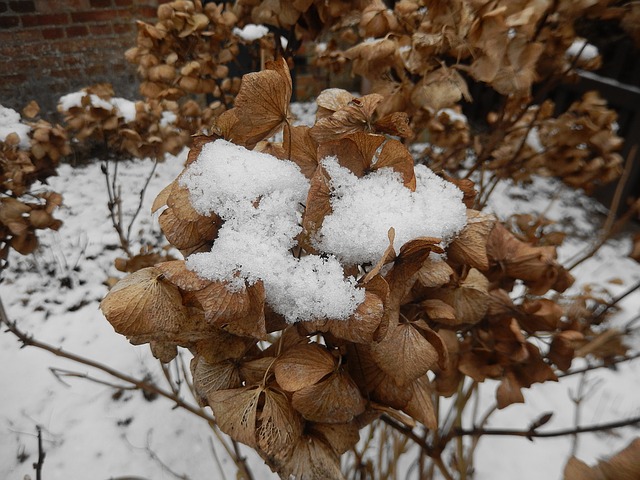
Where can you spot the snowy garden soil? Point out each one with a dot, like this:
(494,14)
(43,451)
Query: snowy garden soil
(95,431)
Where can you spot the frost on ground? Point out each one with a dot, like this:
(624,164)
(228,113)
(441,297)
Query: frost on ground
(113,432)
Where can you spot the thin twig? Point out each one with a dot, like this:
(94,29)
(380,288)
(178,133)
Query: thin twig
(142,194)
(60,372)
(41,454)
(533,433)
(608,364)
(28,340)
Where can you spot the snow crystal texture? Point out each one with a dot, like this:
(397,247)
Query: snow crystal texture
(260,199)
(10,123)
(364,209)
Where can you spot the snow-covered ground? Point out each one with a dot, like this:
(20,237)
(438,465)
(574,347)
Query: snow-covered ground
(90,432)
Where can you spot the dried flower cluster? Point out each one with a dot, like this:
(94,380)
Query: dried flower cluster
(431,312)
(95,119)
(23,162)
(423,59)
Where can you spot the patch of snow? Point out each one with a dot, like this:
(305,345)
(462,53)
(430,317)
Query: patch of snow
(365,208)
(580,47)
(254,240)
(125,108)
(533,140)
(10,123)
(251,32)
(453,115)
(168,118)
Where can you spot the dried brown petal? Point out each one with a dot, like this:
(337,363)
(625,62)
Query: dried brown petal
(336,399)
(302,366)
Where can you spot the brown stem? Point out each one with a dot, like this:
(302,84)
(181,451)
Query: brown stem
(41,454)
(533,433)
(600,365)
(28,340)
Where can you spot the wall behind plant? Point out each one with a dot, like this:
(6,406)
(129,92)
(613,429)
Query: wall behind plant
(49,48)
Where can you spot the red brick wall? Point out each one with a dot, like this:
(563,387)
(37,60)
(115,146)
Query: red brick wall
(52,47)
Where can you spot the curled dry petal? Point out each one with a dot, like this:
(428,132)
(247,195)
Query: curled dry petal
(335,399)
(312,459)
(262,103)
(211,377)
(420,406)
(404,353)
(279,426)
(331,100)
(144,306)
(470,246)
(356,116)
(302,366)
(361,154)
(470,299)
(340,436)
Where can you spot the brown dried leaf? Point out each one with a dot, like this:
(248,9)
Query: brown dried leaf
(144,306)
(318,206)
(340,436)
(303,151)
(236,412)
(470,298)
(439,89)
(470,246)
(420,406)
(279,426)
(356,116)
(411,259)
(209,378)
(509,391)
(331,100)
(396,124)
(302,366)
(262,103)
(336,399)
(312,459)
(404,353)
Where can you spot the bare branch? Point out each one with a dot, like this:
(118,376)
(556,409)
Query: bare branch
(41,454)
(533,433)
(28,340)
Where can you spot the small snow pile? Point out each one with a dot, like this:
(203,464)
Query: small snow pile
(585,50)
(168,118)
(533,140)
(125,109)
(453,115)
(259,197)
(365,208)
(10,123)
(251,32)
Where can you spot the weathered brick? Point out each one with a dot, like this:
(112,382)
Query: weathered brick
(77,31)
(23,6)
(101,29)
(52,33)
(47,19)
(19,37)
(100,3)
(124,3)
(9,21)
(121,28)
(94,16)
(50,6)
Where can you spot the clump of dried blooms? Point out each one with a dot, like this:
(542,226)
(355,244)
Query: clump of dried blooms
(29,152)
(303,333)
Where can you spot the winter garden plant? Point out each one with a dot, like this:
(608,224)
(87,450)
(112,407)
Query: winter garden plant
(333,292)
